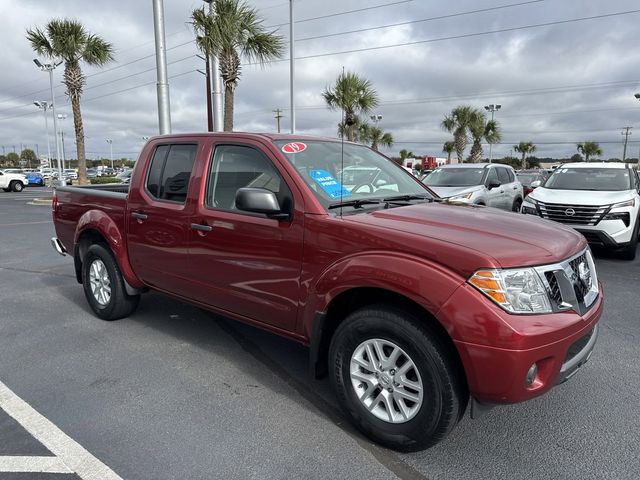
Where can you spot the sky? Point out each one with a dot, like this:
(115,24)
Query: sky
(559,81)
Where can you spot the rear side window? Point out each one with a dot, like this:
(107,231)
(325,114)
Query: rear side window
(170,171)
(503,175)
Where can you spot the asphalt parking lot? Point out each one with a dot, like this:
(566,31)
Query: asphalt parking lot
(173,392)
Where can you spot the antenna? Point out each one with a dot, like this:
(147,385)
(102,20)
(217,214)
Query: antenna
(344,126)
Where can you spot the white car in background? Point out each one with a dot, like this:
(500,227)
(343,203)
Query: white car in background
(600,200)
(12,182)
(70,173)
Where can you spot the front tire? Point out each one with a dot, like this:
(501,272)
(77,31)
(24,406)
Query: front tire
(16,186)
(629,252)
(396,380)
(104,286)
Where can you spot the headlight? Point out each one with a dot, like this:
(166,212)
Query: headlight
(466,196)
(628,203)
(518,290)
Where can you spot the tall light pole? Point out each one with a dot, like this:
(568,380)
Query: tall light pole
(110,142)
(492,108)
(164,106)
(637,96)
(62,117)
(292,68)
(45,106)
(49,67)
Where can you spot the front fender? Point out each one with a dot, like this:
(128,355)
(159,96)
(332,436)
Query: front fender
(426,283)
(99,221)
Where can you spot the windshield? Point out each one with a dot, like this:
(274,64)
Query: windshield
(598,179)
(359,174)
(455,177)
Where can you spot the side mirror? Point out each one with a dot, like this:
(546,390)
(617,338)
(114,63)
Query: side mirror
(259,200)
(536,184)
(493,184)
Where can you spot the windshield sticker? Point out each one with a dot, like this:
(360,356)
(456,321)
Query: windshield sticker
(294,147)
(328,183)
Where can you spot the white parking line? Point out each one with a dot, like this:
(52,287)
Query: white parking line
(33,464)
(67,451)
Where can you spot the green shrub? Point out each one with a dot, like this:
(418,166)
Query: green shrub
(101,180)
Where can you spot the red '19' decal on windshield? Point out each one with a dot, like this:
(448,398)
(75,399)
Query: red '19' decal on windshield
(295,147)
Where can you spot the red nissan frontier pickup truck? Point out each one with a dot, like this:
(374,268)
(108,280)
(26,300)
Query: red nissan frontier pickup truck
(414,307)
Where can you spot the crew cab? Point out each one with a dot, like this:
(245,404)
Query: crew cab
(414,307)
(12,182)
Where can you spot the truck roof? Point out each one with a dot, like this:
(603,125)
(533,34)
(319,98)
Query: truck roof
(595,165)
(265,135)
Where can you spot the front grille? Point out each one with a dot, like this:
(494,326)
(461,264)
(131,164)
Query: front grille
(572,214)
(580,286)
(571,283)
(592,237)
(577,346)
(554,288)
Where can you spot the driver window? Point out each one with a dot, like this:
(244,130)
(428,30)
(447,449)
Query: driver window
(234,167)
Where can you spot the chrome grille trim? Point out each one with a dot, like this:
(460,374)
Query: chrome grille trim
(572,283)
(582,214)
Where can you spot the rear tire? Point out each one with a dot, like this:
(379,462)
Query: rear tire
(16,186)
(517,203)
(386,414)
(104,286)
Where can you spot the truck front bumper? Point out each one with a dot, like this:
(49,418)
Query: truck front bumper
(530,354)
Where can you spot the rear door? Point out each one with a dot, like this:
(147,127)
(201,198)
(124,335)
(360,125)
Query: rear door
(508,186)
(242,262)
(158,218)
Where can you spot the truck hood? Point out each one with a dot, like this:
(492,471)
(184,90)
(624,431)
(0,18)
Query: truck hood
(446,192)
(580,197)
(511,239)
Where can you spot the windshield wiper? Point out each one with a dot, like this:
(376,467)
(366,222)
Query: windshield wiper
(406,198)
(354,203)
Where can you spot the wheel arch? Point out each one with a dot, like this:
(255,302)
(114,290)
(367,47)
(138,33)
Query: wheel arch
(348,301)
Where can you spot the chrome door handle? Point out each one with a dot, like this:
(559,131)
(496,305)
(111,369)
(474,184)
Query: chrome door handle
(201,228)
(139,216)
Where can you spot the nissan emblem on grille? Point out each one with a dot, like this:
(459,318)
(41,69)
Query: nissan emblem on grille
(570,212)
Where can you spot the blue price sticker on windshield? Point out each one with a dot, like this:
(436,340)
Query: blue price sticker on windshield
(329,184)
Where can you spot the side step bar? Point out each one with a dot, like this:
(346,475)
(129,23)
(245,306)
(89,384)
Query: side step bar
(58,246)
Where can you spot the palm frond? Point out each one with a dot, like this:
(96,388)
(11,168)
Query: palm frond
(39,42)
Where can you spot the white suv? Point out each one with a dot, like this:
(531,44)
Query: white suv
(600,200)
(12,181)
(490,184)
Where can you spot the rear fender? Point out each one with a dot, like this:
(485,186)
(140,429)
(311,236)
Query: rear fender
(100,222)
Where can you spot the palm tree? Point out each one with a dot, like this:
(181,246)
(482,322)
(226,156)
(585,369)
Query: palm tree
(69,41)
(589,149)
(378,138)
(458,122)
(405,154)
(448,148)
(359,130)
(233,33)
(525,148)
(353,95)
(481,129)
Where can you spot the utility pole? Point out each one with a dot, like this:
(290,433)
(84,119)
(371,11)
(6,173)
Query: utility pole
(278,116)
(164,106)
(626,134)
(292,68)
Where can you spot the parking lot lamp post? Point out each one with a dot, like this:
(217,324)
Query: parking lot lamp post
(637,95)
(61,117)
(110,142)
(45,106)
(49,67)
(493,108)
(376,119)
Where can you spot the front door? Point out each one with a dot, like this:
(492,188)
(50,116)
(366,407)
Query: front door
(158,219)
(496,194)
(242,262)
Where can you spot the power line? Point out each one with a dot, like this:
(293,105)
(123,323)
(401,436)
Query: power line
(440,17)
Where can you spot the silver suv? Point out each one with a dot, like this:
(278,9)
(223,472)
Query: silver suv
(600,200)
(490,184)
